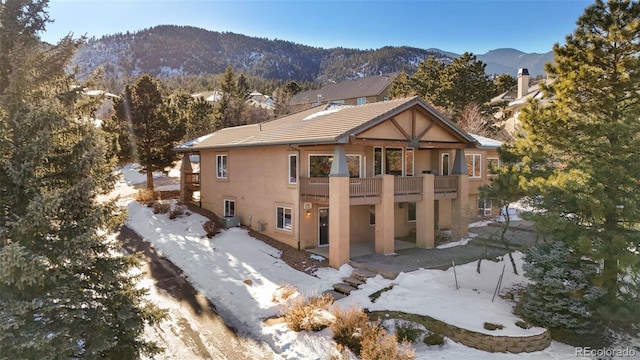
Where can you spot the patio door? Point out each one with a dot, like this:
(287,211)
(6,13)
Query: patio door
(323,226)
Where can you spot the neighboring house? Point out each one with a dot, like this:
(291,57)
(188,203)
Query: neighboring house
(359,91)
(255,99)
(517,100)
(335,175)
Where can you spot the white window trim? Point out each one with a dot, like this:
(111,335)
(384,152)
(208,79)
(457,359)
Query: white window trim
(223,175)
(381,160)
(486,211)
(224,207)
(497,159)
(473,165)
(284,208)
(347,155)
(413,161)
(295,176)
(442,163)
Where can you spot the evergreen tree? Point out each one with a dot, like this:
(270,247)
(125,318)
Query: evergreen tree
(581,153)
(464,82)
(400,87)
(504,82)
(231,106)
(147,125)
(426,81)
(64,290)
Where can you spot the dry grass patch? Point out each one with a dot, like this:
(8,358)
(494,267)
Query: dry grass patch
(302,314)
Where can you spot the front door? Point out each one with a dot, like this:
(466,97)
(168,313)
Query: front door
(323,226)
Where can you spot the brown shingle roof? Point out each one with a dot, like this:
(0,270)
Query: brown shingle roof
(349,89)
(322,124)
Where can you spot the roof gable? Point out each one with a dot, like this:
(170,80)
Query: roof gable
(349,89)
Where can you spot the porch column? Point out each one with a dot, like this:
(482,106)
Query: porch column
(385,224)
(425,214)
(186,195)
(339,239)
(460,205)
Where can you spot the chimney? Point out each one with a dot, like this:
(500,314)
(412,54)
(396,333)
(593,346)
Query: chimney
(523,82)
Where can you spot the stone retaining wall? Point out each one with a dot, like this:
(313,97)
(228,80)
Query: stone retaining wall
(481,341)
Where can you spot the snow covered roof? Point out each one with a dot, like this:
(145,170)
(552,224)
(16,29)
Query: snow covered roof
(486,142)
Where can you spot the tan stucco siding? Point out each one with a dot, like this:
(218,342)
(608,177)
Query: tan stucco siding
(258,182)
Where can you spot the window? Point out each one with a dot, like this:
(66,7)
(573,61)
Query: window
(320,165)
(221,166)
(229,208)
(492,166)
(377,161)
(473,165)
(283,218)
(293,169)
(408,162)
(411,212)
(393,161)
(372,214)
(362,101)
(444,164)
(484,207)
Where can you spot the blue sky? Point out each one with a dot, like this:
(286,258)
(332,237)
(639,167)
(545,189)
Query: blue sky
(451,25)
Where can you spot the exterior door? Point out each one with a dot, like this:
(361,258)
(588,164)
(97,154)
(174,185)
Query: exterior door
(323,226)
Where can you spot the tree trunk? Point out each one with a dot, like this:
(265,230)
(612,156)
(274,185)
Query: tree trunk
(610,278)
(149,179)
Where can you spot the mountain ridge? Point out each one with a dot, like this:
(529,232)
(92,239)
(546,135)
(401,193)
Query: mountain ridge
(169,50)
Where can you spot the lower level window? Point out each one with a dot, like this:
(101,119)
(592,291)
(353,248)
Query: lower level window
(484,207)
(229,208)
(283,218)
(411,211)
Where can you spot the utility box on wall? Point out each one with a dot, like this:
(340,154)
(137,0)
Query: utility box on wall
(230,221)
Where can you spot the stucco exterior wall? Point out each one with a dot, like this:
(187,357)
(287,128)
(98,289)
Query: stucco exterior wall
(257,180)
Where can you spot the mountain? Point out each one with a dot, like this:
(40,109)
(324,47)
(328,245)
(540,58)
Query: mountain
(169,50)
(508,61)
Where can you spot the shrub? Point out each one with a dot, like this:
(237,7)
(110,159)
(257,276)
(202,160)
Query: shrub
(407,331)
(212,228)
(177,211)
(433,339)
(373,297)
(348,327)
(301,314)
(160,207)
(491,326)
(146,196)
(522,324)
(283,293)
(377,344)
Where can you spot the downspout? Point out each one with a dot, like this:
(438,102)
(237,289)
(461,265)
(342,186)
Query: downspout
(299,208)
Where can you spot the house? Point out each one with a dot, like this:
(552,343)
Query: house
(350,92)
(517,99)
(335,175)
(254,99)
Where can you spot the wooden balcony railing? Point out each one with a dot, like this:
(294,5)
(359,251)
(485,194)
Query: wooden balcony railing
(192,180)
(365,187)
(407,185)
(446,184)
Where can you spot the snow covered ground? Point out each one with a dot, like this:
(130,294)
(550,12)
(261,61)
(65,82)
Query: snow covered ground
(240,275)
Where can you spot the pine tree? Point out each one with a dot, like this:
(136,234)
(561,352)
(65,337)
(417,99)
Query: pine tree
(65,292)
(582,152)
(147,126)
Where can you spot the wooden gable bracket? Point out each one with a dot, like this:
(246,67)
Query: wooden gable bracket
(413,139)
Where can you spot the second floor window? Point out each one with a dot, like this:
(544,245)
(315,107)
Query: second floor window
(474,163)
(293,169)
(362,101)
(221,166)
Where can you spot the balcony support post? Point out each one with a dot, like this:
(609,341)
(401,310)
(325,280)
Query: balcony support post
(425,214)
(339,210)
(186,194)
(460,209)
(384,234)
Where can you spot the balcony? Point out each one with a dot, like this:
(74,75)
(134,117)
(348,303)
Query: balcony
(368,190)
(192,180)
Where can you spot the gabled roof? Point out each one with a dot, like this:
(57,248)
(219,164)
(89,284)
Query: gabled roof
(349,89)
(320,125)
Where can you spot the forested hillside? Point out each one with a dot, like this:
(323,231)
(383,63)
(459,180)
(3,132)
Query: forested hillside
(169,50)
